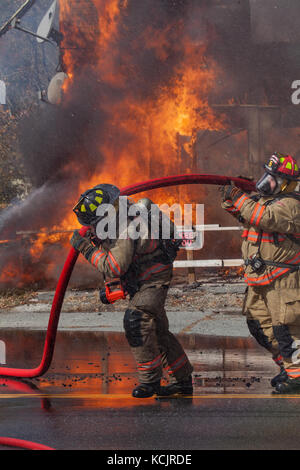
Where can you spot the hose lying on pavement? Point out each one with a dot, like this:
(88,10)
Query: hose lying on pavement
(73,255)
(20,443)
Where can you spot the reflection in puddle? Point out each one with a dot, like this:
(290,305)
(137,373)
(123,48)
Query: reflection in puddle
(99,367)
(24,387)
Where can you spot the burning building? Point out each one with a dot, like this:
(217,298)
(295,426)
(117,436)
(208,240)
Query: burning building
(153,89)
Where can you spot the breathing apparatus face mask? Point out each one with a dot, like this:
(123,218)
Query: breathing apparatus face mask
(269,185)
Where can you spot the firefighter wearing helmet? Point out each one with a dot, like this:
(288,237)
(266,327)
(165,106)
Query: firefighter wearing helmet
(271,253)
(145,273)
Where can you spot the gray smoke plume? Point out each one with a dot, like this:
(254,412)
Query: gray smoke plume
(60,145)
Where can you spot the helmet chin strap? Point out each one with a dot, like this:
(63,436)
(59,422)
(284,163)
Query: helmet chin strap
(288,186)
(281,185)
(284,186)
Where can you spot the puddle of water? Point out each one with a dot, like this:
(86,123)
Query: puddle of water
(90,364)
(84,401)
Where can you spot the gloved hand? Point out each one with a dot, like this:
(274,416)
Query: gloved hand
(80,243)
(230,192)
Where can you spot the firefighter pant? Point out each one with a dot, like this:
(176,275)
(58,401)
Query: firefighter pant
(273,318)
(153,345)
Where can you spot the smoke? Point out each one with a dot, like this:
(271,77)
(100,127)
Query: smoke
(68,145)
(61,145)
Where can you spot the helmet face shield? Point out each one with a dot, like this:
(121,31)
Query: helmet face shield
(269,184)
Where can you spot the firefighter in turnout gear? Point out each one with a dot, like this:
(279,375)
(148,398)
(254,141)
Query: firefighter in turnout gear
(144,269)
(271,252)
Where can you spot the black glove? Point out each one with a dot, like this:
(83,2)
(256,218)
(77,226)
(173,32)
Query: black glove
(230,192)
(81,244)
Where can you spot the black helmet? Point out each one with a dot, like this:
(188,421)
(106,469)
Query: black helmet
(89,202)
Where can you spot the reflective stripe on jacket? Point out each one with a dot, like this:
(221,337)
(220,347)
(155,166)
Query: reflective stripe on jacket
(267,229)
(115,257)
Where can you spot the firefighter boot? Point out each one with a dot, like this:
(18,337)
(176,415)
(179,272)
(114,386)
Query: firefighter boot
(146,390)
(291,387)
(279,378)
(184,387)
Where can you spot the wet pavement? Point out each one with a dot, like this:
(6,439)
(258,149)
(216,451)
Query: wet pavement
(84,401)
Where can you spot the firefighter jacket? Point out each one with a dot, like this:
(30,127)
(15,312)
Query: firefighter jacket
(134,261)
(272,230)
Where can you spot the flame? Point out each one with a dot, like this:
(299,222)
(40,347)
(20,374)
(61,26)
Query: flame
(12,275)
(154,122)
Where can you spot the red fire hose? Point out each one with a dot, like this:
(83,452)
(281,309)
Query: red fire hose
(73,255)
(242,183)
(20,443)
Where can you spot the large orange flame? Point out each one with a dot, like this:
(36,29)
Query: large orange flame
(153,122)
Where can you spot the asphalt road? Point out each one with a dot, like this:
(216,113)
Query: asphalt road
(84,401)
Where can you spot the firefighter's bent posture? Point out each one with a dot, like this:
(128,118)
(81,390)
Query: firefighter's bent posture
(271,252)
(146,275)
